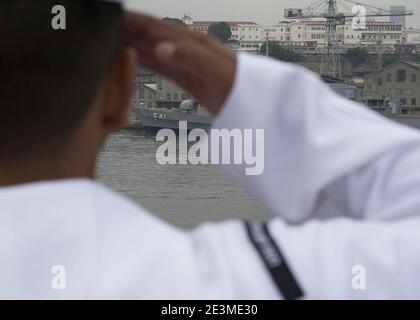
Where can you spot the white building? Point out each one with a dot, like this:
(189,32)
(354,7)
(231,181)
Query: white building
(247,33)
(411,36)
(315,31)
(388,33)
(309,35)
(297,35)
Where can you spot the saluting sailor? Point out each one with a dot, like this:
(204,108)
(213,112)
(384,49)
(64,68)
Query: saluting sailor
(342,182)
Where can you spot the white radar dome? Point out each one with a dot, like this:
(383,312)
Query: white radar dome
(187,105)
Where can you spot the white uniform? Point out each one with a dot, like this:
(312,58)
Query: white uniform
(343,182)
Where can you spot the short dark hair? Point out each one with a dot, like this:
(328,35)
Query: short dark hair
(48,78)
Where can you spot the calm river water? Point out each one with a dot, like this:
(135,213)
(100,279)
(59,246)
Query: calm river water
(184,195)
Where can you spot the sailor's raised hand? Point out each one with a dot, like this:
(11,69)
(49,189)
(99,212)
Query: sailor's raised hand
(195,61)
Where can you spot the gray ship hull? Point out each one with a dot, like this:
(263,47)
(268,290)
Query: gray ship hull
(155,119)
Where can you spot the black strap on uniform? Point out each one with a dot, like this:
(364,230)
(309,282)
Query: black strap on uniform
(274,261)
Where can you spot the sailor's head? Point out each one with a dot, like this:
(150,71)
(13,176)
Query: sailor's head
(61,78)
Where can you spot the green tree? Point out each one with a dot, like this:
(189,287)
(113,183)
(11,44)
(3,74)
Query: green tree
(176,21)
(278,52)
(221,31)
(358,56)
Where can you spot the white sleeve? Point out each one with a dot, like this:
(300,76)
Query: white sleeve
(340,258)
(348,259)
(324,155)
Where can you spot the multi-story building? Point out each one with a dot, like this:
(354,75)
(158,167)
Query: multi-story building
(168,94)
(400,79)
(309,35)
(386,33)
(153,90)
(247,33)
(145,95)
(295,35)
(411,36)
(315,32)
(145,88)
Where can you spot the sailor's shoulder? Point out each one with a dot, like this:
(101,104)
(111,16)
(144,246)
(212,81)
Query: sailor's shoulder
(115,211)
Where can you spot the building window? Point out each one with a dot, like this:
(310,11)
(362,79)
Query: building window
(380,82)
(413,77)
(142,93)
(414,102)
(389,77)
(401,76)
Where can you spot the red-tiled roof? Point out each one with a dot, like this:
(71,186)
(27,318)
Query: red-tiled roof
(382,23)
(235,23)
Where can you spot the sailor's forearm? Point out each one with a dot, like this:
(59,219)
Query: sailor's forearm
(313,137)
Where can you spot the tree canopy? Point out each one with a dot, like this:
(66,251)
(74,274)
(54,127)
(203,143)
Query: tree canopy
(276,51)
(358,56)
(176,21)
(221,31)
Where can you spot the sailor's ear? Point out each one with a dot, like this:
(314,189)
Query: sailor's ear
(118,89)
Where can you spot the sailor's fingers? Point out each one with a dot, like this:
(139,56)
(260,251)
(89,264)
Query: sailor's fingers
(195,61)
(146,32)
(151,30)
(210,73)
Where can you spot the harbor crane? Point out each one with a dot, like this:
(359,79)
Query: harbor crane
(336,12)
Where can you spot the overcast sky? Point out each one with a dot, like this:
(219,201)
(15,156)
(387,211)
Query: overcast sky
(263,11)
